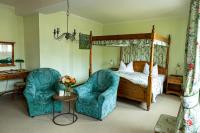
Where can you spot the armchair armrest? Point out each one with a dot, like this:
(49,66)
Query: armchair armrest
(83,89)
(30,91)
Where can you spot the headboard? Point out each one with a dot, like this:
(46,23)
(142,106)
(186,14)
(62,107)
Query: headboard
(138,66)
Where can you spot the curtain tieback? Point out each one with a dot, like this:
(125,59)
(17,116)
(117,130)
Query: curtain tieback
(190,101)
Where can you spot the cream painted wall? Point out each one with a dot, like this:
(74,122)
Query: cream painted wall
(31,39)
(64,55)
(11,29)
(176,27)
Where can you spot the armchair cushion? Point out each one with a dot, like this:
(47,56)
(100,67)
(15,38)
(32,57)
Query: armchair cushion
(89,98)
(43,96)
(83,89)
(106,94)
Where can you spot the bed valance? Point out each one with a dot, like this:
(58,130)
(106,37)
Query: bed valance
(122,40)
(124,43)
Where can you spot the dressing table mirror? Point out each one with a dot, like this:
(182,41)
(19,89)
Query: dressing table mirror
(6,53)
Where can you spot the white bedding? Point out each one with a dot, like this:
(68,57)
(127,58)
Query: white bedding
(142,79)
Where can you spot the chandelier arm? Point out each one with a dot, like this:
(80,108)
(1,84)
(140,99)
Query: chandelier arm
(59,37)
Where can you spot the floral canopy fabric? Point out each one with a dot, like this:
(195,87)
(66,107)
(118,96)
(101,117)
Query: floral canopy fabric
(141,52)
(188,120)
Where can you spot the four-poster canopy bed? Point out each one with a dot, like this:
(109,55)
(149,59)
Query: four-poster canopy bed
(128,89)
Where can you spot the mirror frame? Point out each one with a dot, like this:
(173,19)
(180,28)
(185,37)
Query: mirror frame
(12,44)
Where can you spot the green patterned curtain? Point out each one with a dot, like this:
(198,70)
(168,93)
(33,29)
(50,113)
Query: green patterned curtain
(140,51)
(160,55)
(188,119)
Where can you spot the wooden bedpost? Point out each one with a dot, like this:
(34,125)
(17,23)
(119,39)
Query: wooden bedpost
(149,90)
(90,57)
(120,54)
(167,58)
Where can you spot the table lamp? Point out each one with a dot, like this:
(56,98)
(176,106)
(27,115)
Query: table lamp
(20,61)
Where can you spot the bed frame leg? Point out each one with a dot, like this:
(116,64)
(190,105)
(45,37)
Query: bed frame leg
(148,107)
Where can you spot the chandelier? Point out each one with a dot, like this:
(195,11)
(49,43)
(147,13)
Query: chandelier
(67,35)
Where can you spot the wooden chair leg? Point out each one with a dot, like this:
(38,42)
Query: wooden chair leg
(19,87)
(14,94)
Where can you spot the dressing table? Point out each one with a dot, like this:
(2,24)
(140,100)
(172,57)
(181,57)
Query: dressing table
(7,60)
(12,74)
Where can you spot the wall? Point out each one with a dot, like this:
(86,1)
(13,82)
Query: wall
(64,55)
(12,29)
(176,27)
(34,34)
(31,39)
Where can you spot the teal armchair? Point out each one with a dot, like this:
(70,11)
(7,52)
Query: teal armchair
(97,97)
(41,85)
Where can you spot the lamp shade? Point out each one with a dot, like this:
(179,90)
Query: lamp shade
(19,60)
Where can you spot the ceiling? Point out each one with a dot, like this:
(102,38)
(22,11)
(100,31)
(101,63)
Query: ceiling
(106,11)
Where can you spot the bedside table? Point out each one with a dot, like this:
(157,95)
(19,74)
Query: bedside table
(174,83)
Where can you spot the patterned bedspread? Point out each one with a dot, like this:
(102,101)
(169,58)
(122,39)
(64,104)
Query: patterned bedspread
(142,79)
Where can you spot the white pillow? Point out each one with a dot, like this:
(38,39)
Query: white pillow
(146,69)
(124,68)
(154,71)
(129,67)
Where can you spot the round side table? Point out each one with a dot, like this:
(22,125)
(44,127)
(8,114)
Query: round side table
(68,99)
